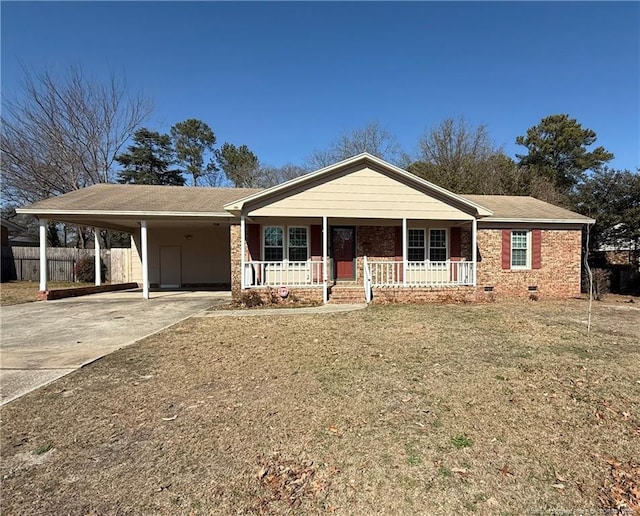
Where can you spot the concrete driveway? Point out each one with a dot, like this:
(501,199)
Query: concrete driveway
(45,340)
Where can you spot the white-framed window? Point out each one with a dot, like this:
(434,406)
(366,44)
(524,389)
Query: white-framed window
(292,239)
(438,245)
(298,243)
(521,249)
(273,243)
(416,246)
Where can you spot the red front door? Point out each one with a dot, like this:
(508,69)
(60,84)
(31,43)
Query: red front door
(343,244)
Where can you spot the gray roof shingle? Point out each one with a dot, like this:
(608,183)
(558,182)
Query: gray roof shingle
(144,198)
(524,208)
(205,200)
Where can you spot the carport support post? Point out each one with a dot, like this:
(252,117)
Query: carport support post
(43,255)
(145,259)
(325,277)
(96,246)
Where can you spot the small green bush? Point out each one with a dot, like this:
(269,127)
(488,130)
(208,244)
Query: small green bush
(85,270)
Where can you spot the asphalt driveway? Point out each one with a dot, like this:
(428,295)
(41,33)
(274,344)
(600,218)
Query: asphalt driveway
(45,340)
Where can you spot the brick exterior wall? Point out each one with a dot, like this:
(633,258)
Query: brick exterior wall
(377,243)
(236,262)
(558,277)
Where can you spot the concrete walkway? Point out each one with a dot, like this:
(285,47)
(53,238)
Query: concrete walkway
(45,340)
(257,312)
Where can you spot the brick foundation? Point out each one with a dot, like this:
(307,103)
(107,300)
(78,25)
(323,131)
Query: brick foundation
(399,295)
(297,295)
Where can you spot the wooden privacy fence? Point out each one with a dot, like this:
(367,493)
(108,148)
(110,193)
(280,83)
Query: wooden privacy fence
(23,263)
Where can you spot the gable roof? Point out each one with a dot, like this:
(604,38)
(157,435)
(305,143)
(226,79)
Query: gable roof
(134,201)
(520,208)
(117,199)
(361,159)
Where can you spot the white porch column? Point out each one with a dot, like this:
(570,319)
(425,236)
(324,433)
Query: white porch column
(474,248)
(325,258)
(145,259)
(243,238)
(404,251)
(96,246)
(43,255)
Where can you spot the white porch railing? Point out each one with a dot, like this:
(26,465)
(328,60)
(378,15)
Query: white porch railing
(290,274)
(421,274)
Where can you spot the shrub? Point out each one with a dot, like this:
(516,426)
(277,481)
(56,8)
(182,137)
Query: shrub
(251,299)
(85,269)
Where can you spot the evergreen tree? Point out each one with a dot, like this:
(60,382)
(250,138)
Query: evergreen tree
(239,164)
(558,150)
(147,161)
(193,141)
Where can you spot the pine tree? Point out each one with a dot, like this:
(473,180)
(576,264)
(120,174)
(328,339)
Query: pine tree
(147,161)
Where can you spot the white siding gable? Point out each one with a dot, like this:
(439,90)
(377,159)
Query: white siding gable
(363,193)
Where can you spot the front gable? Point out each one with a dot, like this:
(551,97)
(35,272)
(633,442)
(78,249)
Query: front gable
(363,187)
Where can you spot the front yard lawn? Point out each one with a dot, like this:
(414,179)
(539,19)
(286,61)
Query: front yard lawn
(505,408)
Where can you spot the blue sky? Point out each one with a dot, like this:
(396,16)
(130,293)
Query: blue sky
(285,78)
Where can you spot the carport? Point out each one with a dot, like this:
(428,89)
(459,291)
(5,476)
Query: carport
(179,235)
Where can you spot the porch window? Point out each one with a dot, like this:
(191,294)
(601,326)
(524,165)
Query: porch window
(298,243)
(416,245)
(520,255)
(273,243)
(437,245)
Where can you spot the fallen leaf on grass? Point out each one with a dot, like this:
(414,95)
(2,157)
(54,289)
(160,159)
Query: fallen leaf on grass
(622,490)
(505,471)
(333,429)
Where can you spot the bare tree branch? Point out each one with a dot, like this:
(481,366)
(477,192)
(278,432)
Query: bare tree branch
(60,134)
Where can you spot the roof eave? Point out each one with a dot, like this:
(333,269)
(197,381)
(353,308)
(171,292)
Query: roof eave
(124,213)
(538,220)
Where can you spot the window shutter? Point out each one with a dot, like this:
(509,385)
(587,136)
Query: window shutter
(456,243)
(316,242)
(506,248)
(536,249)
(253,241)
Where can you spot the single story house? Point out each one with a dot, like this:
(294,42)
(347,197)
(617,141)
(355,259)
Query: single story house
(361,229)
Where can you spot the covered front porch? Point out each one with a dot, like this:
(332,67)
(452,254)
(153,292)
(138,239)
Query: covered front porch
(361,256)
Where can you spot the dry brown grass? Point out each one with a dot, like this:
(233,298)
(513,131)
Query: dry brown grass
(18,292)
(358,413)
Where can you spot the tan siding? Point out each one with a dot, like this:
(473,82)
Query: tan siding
(135,272)
(364,193)
(204,258)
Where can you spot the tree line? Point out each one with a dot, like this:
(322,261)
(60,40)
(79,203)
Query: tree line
(61,134)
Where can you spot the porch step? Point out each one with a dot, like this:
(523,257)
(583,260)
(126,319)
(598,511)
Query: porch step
(346,294)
